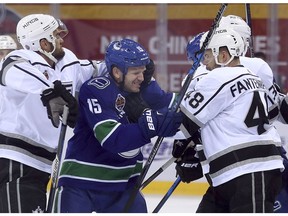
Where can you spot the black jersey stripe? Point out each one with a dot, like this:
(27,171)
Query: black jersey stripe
(67,65)
(221,87)
(34,150)
(32,75)
(87,64)
(241,155)
(9,62)
(40,63)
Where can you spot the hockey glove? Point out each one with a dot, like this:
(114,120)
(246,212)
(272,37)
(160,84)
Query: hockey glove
(179,146)
(148,73)
(54,100)
(188,167)
(134,107)
(162,123)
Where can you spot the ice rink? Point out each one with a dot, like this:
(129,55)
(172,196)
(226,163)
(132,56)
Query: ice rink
(174,204)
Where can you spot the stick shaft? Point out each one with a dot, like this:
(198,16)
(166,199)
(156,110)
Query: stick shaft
(249,22)
(57,165)
(167,195)
(158,172)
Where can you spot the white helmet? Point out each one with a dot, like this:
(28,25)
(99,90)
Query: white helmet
(7,42)
(32,28)
(226,37)
(238,25)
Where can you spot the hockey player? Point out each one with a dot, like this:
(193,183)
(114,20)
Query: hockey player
(263,70)
(7,44)
(36,75)
(215,104)
(104,158)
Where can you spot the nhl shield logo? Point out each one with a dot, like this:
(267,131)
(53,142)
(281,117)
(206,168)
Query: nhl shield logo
(120,103)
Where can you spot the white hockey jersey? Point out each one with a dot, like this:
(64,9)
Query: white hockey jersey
(259,67)
(229,104)
(23,77)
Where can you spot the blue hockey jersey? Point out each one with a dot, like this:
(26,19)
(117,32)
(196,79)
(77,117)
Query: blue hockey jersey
(104,153)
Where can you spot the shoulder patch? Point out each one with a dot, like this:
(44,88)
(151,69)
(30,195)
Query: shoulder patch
(120,102)
(99,82)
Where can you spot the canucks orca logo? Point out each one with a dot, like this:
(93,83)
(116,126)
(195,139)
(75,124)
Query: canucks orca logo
(99,82)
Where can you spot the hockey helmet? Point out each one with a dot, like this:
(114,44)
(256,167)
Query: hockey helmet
(32,28)
(226,37)
(7,43)
(238,25)
(125,53)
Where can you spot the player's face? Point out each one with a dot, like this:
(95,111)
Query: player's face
(134,78)
(59,35)
(208,60)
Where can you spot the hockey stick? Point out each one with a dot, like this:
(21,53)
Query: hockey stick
(167,195)
(175,107)
(56,168)
(248,20)
(158,172)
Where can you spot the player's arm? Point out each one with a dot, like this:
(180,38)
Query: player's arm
(117,136)
(19,74)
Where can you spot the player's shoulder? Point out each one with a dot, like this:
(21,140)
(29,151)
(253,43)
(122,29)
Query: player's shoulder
(69,54)
(68,58)
(226,74)
(247,61)
(201,70)
(102,68)
(28,55)
(99,85)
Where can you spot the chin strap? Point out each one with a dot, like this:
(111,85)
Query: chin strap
(49,54)
(223,64)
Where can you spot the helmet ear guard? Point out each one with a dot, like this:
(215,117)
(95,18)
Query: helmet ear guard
(124,54)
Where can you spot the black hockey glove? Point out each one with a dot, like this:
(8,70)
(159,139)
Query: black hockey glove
(54,100)
(179,146)
(188,167)
(148,74)
(134,107)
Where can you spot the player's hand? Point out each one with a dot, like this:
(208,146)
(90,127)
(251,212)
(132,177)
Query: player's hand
(134,106)
(148,74)
(162,123)
(179,146)
(188,166)
(54,100)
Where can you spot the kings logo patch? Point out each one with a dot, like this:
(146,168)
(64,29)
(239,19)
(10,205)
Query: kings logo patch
(120,102)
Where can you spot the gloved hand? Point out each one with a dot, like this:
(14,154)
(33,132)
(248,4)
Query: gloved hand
(179,146)
(54,100)
(148,73)
(134,107)
(163,123)
(188,166)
